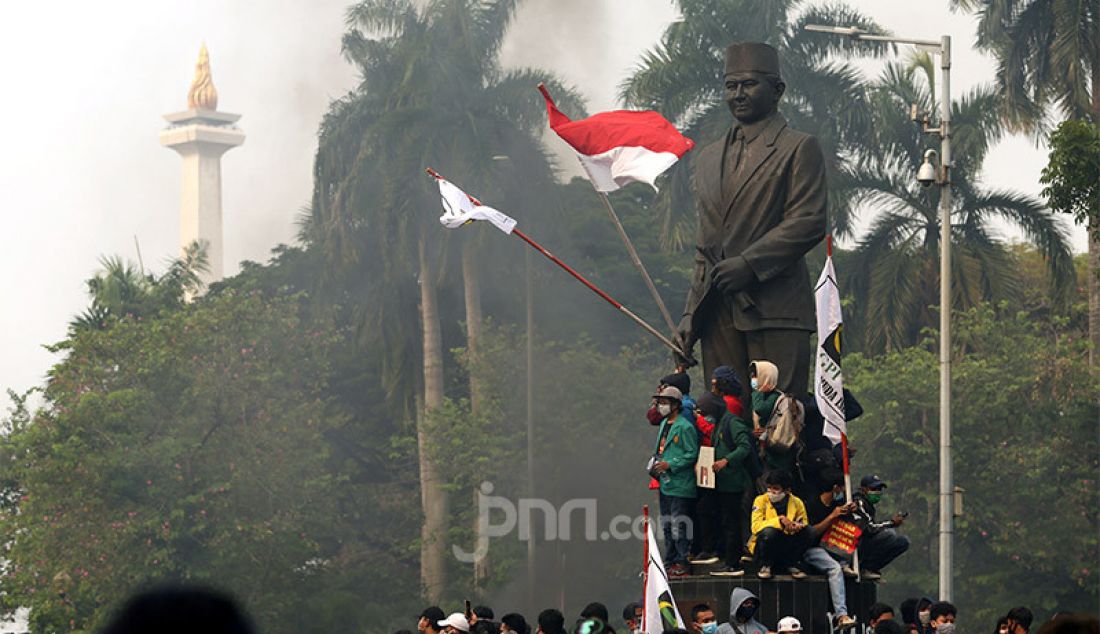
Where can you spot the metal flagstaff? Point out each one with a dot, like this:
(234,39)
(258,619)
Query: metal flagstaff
(580,278)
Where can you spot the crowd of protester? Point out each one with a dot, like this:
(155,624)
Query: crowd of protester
(925,617)
(778,485)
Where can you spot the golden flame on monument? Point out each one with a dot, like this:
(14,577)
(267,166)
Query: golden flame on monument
(202,95)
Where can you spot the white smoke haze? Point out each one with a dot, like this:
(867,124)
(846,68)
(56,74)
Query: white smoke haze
(86,85)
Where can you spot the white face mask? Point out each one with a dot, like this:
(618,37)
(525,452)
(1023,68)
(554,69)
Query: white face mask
(664,409)
(924,617)
(776,497)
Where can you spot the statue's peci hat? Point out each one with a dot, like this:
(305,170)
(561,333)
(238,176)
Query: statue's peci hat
(752,56)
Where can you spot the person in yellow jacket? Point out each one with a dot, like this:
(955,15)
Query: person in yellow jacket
(780,532)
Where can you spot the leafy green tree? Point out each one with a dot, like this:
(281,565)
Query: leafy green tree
(198,445)
(1072,179)
(432,94)
(1025,451)
(1048,55)
(682,78)
(893,275)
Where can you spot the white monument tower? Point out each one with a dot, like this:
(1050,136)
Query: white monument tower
(201,135)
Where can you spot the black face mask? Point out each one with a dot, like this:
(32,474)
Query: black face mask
(745,612)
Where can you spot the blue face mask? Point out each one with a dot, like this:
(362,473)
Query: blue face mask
(838,498)
(755,384)
(710,628)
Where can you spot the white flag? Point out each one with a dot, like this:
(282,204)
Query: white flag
(661,612)
(458,210)
(828,379)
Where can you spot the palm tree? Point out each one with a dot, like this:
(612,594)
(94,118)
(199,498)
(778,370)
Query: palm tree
(682,78)
(1048,61)
(894,275)
(432,93)
(121,290)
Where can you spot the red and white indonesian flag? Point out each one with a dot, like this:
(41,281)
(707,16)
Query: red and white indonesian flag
(828,379)
(460,209)
(660,608)
(620,146)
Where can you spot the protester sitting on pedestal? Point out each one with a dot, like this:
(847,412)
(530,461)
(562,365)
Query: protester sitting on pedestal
(733,446)
(680,381)
(703,620)
(743,607)
(880,543)
(779,527)
(822,510)
(673,465)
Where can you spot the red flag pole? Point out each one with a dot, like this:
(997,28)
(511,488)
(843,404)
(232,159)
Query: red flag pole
(645,566)
(844,438)
(580,278)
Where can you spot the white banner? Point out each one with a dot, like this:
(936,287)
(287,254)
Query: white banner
(828,378)
(661,612)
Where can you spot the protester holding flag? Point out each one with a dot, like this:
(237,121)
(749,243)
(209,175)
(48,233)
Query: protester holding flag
(822,510)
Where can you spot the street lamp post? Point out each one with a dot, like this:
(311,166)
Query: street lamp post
(942,47)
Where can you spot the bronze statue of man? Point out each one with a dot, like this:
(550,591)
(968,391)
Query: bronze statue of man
(761,198)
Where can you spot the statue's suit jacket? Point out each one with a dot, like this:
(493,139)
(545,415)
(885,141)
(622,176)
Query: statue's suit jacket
(771,215)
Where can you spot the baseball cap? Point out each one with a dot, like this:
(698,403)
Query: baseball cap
(789,624)
(670,392)
(872,481)
(456,620)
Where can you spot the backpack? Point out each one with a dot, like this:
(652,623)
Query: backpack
(785,424)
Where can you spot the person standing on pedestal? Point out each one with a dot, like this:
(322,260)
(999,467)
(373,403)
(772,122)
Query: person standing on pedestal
(761,197)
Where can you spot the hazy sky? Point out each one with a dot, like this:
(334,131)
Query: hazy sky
(86,85)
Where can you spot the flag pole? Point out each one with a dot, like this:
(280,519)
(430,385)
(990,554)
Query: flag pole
(645,564)
(637,261)
(580,278)
(845,463)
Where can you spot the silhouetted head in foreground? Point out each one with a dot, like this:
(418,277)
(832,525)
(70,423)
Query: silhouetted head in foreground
(180,610)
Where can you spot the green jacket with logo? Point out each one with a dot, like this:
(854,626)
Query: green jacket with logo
(681,452)
(732,443)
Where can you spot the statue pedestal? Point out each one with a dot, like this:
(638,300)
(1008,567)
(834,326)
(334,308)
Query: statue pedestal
(805,599)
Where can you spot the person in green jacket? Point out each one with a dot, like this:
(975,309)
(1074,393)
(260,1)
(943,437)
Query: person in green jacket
(732,443)
(674,457)
(765,376)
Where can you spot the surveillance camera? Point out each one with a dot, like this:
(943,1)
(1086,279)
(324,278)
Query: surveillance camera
(926,175)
